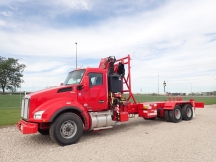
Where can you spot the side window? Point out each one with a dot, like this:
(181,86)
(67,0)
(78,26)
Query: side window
(95,79)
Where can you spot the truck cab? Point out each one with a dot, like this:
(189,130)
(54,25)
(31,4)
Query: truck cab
(92,91)
(81,103)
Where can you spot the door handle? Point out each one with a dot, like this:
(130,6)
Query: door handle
(101,101)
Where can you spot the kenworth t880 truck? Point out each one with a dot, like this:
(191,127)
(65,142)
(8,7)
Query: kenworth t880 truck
(93,99)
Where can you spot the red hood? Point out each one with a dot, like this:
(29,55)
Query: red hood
(40,97)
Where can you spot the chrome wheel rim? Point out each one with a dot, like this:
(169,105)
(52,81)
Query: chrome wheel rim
(68,129)
(189,112)
(177,114)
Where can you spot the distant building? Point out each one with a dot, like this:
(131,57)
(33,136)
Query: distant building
(207,93)
(178,94)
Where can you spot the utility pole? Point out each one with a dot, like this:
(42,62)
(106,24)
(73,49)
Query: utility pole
(76,54)
(158,84)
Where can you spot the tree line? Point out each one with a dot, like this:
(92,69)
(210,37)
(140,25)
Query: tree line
(11,73)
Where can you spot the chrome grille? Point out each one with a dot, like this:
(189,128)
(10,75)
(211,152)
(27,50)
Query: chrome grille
(25,107)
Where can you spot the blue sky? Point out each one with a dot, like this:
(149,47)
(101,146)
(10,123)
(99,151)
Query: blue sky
(173,39)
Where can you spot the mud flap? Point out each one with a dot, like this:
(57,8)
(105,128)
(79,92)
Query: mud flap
(193,112)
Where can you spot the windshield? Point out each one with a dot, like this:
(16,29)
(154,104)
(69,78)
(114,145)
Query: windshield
(74,77)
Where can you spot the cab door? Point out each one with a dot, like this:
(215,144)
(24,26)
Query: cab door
(96,98)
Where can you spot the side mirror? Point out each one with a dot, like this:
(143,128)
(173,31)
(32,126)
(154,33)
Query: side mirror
(80,87)
(86,83)
(61,84)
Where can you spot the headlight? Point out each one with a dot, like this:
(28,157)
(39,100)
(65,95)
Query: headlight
(38,114)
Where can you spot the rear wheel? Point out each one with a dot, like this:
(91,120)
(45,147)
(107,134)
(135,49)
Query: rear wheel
(166,115)
(175,115)
(187,112)
(66,129)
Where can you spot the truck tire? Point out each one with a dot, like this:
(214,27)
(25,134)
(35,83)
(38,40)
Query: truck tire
(176,114)
(159,113)
(43,131)
(166,115)
(150,118)
(187,112)
(66,129)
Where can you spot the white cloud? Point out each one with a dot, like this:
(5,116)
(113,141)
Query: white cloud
(65,7)
(6,13)
(118,32)
(2,23)
(75,4)
(7,2)
(43,66)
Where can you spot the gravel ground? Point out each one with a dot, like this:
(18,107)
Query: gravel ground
(138,140)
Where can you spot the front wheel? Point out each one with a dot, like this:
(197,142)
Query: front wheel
(66,129)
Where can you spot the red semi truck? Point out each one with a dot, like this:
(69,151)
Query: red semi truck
(93,99)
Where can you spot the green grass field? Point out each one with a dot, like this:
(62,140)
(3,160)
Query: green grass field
(10,105)
(10,109)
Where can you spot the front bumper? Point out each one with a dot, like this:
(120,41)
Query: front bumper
(27,127)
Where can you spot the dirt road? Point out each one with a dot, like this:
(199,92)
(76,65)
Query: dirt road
(138,140)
